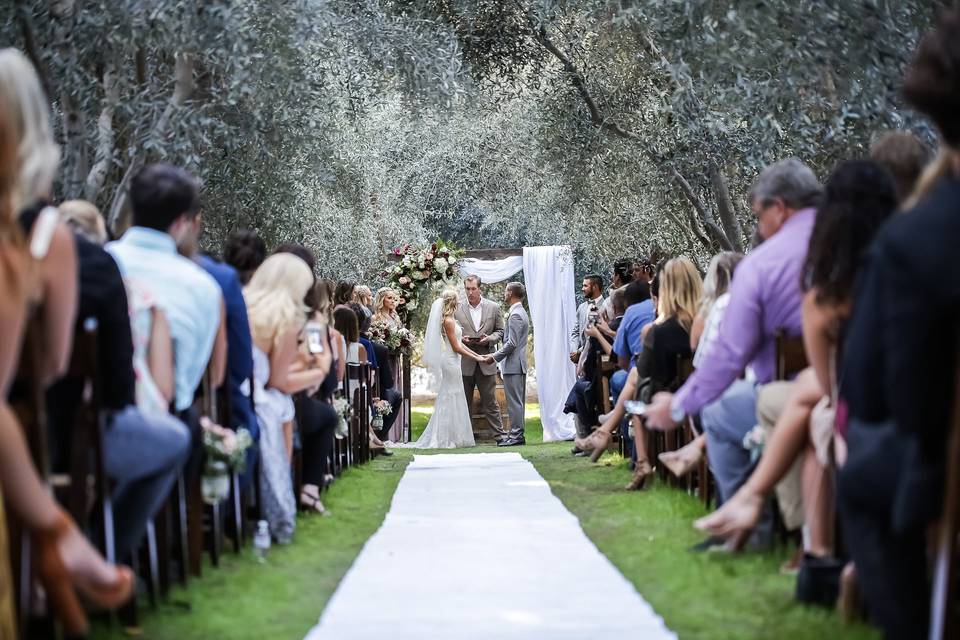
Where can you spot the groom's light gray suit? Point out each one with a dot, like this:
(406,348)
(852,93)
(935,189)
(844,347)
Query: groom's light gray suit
(513,356)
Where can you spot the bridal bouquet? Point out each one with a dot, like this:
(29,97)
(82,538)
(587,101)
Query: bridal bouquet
(393,338)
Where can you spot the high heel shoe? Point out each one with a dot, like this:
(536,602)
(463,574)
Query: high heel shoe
(62,587)
(601,440)
(641,475)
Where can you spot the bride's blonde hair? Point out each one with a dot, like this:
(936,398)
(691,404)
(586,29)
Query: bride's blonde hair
(450,302)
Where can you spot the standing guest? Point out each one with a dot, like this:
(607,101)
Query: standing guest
(385,313)
(385,308)
(622,276)
(245,251)
(143,451)
(592,290)
(482,325)
(898,375)
(277,315)
(66,563)
(364,297)
(344,292)
(764,300)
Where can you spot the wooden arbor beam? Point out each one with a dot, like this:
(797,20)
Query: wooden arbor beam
(478,254)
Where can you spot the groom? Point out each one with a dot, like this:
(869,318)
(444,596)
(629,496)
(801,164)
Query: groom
(513,356)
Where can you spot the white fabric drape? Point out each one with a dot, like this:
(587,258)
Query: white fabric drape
(491,271)
(548,273)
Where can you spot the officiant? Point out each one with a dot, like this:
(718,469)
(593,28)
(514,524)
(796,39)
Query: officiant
(482,322)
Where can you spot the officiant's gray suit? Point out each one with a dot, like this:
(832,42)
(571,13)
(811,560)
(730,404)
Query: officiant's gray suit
(512,357)
(475,374)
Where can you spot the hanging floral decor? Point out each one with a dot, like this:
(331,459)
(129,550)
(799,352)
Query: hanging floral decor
(417,268)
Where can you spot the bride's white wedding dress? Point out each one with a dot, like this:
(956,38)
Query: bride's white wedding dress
(449,426)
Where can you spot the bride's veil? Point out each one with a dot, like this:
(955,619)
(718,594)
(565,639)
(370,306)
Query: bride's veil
(433,345)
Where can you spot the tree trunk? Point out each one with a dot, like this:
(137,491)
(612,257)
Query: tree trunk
(105,134)
(75,163)
(182,88)
(725,208)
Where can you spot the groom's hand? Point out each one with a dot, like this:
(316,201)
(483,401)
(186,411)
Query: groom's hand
(482,339)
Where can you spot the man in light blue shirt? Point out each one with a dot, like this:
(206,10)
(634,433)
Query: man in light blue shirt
(640,313)
(166,201)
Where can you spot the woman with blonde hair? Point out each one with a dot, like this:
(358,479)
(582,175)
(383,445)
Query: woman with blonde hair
(39,267)
(706,328)
(385,308)
(667,341)
(277,316)
(450,424)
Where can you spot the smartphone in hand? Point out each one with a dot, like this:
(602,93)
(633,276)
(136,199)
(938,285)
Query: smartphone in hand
(635,407)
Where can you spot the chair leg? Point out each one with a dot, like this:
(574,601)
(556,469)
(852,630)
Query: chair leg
(161,528)
(195,527)
(216,533)
(153,585)
(236,501)
(183,543)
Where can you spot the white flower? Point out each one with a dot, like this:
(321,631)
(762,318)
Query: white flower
(440,264)
(411,306)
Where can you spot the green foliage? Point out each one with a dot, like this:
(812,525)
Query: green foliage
(362,125)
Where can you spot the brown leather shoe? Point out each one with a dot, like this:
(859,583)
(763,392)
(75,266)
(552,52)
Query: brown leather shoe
(642,473)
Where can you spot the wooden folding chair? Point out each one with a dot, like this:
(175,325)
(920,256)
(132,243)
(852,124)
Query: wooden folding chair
(944,614)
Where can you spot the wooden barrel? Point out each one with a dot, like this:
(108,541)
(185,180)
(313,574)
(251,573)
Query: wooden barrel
(482,431)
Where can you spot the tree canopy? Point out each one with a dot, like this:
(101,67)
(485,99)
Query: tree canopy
(615,127)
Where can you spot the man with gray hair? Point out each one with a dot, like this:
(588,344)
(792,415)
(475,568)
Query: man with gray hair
(513,355)
(765,298)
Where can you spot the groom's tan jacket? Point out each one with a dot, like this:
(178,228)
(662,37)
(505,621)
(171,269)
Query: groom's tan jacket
(491,325)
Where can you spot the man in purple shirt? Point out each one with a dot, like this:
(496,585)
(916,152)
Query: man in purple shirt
(764,298)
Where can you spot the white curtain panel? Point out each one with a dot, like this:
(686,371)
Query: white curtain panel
(548,273)
(491,271)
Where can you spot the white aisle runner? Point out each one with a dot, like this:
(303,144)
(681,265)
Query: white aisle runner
(476,546)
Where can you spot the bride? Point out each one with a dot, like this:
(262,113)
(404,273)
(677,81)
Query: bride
(449,425)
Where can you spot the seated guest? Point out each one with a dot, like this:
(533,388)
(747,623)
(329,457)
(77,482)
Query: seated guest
(706,327)
(859,197)
(143,451)
(643,270)
(898,373)
(640,312)
(277,315)
(764,300)
(65,562)
(165,202)
(245,251)
(85,220)
(904,156)
(666,341)
(364,326)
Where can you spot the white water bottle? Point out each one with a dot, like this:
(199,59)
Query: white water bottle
(261,541)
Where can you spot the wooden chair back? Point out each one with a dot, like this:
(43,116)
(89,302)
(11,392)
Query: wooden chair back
(791,357)
(944,616)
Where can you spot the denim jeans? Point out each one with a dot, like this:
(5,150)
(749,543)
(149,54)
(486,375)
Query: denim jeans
(143,455)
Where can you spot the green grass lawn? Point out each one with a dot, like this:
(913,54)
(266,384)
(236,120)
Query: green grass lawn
(645,534)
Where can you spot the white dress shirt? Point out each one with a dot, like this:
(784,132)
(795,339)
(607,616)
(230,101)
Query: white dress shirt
(476,314)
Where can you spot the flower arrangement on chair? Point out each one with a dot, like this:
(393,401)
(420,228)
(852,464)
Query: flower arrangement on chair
(226,452)
(381,409)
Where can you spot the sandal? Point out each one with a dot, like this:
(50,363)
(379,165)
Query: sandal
(310,498)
